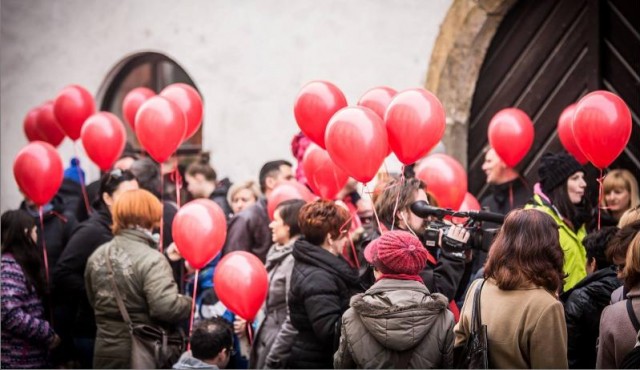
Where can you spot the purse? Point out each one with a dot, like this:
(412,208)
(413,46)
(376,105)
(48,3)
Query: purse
(475,352)
(151,347)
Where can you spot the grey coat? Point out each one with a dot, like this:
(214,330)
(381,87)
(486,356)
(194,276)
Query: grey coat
(396,324)
(275,336)
(145,282)
(617,335)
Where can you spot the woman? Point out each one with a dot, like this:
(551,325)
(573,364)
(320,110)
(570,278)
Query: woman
(617,330)
(375,329)
(273,340)
(68,275)
(561,194)
(620,193)
(243,195)
(142,276)
(26,334)
(322,283)
(202,183)
(518,303)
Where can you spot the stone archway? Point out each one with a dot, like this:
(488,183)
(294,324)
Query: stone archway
(465,36)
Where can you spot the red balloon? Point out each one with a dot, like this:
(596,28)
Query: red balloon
(565,133)
(511,135)
(73,106)
(48,126)
(377,99)
(103,137)
(132,102)
(446,179)
(160,127)
(602,127)
(357,142)
(189,101)
(30,125)
(286,191)
(241,283)
(324,176)
(415,122)
(315,105)
(38,171)
(469,203)
(199,231)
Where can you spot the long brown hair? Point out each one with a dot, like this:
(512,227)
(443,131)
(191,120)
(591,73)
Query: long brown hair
(526,251)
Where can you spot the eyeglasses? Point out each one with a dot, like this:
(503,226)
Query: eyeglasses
(116,174)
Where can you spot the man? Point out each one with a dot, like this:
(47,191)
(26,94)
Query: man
(441,275)
(249,230)
(211,346)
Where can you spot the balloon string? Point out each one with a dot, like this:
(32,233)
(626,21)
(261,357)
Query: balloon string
(46,262)
(511,195)
(82,186)
(600,196)
(375,213)
(250,332)
(177,178)
(353,250)
(193,306)
(160,246)
(395,207)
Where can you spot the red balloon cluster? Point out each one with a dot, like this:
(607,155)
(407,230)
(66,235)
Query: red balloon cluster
(511,135)
(324,177)
(565,134)
(132,102)
(377,99)
(189,102)
(445,178)
(241,283)
(103,137)
(38,171)
(41,124)
(199,231)
(316,103)
(72,107)
(287,191)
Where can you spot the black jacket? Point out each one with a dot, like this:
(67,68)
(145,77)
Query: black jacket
(249,231)
(68,276)
(321,286)
(583,305)
(219,196)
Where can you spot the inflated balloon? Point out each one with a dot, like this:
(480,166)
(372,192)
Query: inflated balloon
(324,177)
(511,135)
(377,99)
(565,133)
(602,127)
(286,191)
(241,283)
(132,102)
(445,178)
(469,203)
(415,122)
(30,125)
(357,142)
(160,127)
(189,101)
(316,103)
(38,171)
(103,137)
(72,107)
(48,126)
(199,231)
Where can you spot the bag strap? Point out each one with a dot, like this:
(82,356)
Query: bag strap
(476,319)
(121,306)
(632,315)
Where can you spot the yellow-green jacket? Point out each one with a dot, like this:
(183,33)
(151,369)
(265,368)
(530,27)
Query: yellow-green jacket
(575,256)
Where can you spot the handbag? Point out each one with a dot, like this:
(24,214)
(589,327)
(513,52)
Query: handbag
(475,352)
(151,347)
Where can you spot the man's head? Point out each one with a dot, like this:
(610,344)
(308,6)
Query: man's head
(273,174)
(147,173)
(212,341)
(393,204)
(496,170)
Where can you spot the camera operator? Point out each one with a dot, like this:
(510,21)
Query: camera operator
(443,273)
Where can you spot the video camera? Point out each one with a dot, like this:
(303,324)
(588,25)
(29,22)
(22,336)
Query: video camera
(480,238)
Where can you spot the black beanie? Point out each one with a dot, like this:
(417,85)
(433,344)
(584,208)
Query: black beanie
(555,169)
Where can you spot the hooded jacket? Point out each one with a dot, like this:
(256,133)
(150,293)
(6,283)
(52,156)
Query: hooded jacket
(321,286)
(396,324)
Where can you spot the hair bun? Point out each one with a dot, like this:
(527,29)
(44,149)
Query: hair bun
(204,158)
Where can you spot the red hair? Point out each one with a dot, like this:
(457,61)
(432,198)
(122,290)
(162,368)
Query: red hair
(136,208)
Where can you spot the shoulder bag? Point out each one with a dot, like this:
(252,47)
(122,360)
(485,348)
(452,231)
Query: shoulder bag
(474,354)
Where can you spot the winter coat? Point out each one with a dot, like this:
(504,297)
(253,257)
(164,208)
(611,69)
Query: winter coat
(219,196)
(273,339)
(583,305)
(396,324)
(144,279)
(26,334)
(321,286)
(68,276)
(249,231)
(575,256)
(617,334)
(525,326)
(187,361)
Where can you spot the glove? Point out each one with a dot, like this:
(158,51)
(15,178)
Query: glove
(454,242)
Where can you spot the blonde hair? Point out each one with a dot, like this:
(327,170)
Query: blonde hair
(235,188)
(621,179)
(630,216)
(631,272)
(136,208)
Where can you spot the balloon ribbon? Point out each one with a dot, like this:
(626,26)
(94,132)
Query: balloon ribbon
(82,186)
(600,196)
(193,306)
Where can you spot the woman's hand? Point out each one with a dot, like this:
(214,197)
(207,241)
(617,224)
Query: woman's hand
(240,326)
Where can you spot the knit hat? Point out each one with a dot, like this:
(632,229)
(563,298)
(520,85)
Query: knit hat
(71,173)
(555,169)
(397,252)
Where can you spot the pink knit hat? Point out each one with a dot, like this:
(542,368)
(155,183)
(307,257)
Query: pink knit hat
(397,252)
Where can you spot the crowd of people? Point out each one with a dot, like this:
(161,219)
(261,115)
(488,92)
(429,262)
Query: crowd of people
(348,287)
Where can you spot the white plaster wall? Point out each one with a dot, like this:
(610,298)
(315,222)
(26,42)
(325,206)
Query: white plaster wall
(249,58)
